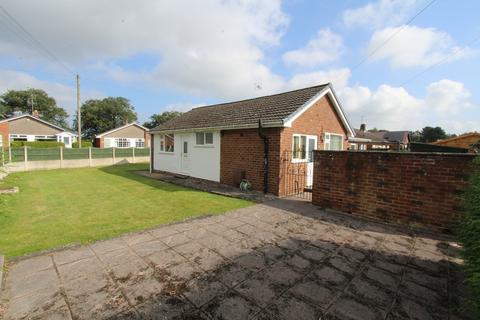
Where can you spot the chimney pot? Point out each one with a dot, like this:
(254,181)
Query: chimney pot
(363,127)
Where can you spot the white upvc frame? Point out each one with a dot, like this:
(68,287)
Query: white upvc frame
(326,139)
(204,144)
(161,143)
(307,137)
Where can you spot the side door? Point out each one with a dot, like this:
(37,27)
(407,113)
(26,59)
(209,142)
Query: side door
(185,154)
(311,146)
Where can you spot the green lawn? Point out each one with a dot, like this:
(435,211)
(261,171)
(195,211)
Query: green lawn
(58,207)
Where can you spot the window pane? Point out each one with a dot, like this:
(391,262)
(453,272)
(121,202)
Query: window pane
(336,142)
(169,143)
(200,138)
(311,147)
(303,147)
(185,147)
(208,138)
(139,143)
(296,147)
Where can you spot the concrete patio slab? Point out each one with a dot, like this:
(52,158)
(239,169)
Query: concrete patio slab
(276,260)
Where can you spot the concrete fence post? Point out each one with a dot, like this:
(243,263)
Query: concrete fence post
(3,156)
(61,157)
(25,157)
(9,154)
(113,154)
(89,156)
(133,155)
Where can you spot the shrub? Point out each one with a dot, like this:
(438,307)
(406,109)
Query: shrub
(469,234)
(37,144)
(85,144)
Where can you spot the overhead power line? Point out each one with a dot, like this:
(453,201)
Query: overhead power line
(448,57)
(381,45)
(20,31)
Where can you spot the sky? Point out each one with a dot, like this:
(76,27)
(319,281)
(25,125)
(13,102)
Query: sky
(395,65)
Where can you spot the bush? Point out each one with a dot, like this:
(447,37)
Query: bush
(37,144)
(469,234)
(85,144)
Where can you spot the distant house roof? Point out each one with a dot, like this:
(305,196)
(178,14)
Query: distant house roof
(36,119)
(460,137)
(120,128)
(381,136)
(278,110)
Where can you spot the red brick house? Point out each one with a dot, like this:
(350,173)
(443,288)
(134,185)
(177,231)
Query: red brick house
(130,135)
(380,140)
(255,139)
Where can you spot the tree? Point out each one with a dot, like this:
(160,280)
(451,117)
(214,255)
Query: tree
(106,114)
(158,119)
(22,100)
(374,130)
(429,134)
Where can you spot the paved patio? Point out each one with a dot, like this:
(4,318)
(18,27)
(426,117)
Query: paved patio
(277,260)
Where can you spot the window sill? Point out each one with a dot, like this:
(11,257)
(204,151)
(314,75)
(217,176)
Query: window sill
(204,146)
(299,160)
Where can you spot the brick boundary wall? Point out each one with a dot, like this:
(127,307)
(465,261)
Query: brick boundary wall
(421,190)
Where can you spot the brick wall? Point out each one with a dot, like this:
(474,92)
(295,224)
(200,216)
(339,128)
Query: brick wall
(98,143)
(318,119)
(4,130)
(416,189)
(242,150)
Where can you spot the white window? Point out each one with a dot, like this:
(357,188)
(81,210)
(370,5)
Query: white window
(122,143)
(45,138)
(17,137)
(303,146)
(167,143)
(204,138)
(333,141)
(139,143)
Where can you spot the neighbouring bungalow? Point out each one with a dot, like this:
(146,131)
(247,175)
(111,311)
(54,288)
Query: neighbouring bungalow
(468,141)
(130,135)
(31,128)
(254,140)
(380,140)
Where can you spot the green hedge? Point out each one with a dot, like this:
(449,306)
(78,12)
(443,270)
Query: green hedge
(36,144)
(85,144)
(469,234)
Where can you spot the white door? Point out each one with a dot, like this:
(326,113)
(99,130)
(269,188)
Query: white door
(185,154)
(311,145)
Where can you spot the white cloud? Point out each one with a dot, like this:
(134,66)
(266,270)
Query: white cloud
(447,96)
(394,108)
(338,77)
(378,14)
(64,95)
(214,47)
(414,46)
(386,107)
(325,47)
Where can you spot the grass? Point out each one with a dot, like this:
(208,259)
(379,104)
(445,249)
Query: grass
(59,207)
(469,234)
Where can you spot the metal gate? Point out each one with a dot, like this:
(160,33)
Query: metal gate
(298,175)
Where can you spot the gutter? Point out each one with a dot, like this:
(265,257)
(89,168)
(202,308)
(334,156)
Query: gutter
(265,156)
(274,124)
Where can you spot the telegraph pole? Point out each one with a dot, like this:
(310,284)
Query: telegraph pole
(79,117)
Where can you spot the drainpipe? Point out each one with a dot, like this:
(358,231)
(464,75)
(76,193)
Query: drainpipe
(265,156)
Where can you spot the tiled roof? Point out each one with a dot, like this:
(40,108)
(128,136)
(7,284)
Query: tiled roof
(270,109)
(382,136)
